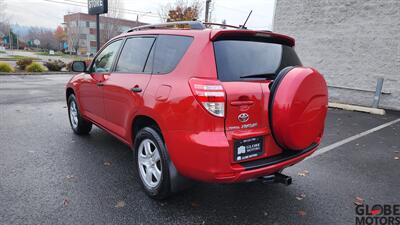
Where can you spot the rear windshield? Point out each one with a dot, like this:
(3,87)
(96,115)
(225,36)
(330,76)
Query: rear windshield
(238,58)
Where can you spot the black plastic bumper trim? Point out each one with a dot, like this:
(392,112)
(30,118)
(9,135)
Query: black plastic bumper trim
(285,155)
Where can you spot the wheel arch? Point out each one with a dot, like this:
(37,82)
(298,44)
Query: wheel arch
(177,181)
(141,121)
(68,92)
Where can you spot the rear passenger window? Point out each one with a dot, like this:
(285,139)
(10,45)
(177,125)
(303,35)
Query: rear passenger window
(169,51)
(134,55)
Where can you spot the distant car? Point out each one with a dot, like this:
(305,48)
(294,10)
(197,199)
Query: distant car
(211,105)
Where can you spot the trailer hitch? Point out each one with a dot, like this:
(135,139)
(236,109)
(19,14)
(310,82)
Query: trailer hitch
(277,178)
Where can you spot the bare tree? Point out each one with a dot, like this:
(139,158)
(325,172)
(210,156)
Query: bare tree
(45,36)
(73,31)
(181,10)
(4,23)
(111,27)
(3,12)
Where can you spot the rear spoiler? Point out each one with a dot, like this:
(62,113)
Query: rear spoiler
(216,35)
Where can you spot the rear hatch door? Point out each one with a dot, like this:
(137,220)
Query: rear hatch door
(247,62)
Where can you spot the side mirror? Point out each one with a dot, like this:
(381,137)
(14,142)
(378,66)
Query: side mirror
(78,66)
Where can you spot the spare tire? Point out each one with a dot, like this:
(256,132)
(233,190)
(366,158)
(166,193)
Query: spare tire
(297,108)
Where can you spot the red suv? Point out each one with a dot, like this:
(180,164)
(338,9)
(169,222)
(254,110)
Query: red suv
(211,105)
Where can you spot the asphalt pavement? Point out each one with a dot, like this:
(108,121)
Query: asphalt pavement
(48,175)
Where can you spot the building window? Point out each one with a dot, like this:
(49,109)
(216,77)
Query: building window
(87,24)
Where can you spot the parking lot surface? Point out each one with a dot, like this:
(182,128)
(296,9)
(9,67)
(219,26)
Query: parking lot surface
(48,175)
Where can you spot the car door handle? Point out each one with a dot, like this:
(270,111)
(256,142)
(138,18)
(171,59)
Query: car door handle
(99,84)
(136,89)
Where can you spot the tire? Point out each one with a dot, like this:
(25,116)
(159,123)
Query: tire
(152,163)
(78,124)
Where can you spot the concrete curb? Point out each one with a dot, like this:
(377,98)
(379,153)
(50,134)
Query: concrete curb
(356,108)
(26,73)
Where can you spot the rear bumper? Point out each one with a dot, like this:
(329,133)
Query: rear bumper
(208,157)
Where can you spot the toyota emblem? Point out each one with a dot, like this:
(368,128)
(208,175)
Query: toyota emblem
(243,117)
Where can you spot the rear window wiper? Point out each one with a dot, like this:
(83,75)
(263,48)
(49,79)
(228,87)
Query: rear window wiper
(268,76)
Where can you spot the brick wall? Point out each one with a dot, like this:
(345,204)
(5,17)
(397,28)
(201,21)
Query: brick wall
(351,42)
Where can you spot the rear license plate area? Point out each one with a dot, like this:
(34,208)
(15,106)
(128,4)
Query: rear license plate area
(248,148)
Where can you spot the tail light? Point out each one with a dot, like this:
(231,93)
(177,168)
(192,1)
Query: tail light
(210,94)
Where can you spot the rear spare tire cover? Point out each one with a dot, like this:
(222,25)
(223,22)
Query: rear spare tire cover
(298,107)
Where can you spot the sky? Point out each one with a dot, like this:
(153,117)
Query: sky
(49,13)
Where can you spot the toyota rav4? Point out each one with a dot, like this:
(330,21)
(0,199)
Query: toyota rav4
(194,103)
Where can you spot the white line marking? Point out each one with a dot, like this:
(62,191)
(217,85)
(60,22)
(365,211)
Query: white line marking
(352,138)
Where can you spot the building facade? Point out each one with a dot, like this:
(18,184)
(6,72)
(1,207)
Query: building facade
(81,31)
(351,42)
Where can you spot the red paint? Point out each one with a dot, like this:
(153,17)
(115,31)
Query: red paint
(300,108)
(200,144)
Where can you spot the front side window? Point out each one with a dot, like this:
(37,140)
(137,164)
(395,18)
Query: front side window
(169,51)
(104,60)
(134,55)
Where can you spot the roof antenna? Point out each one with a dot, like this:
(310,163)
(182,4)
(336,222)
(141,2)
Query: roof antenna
(243,26)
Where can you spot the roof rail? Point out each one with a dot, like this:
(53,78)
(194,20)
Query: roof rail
(195,25)
(221,25)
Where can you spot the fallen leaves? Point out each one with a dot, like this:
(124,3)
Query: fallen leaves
(120,204)
(107,163)
(303,173)
(302,213)
(69,177)
(195,205)
(397,155)
(65,202)
(300,197)
(359,201)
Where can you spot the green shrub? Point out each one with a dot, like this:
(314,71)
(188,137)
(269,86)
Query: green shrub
(6,68)
(35,67)
(55,65)
(23,63)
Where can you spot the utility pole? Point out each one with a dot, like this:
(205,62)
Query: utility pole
(98,32)
(10,39)
(207,10)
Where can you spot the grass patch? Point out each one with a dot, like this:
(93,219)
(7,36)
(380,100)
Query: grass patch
(47,54)
(18,57)
(2,52)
